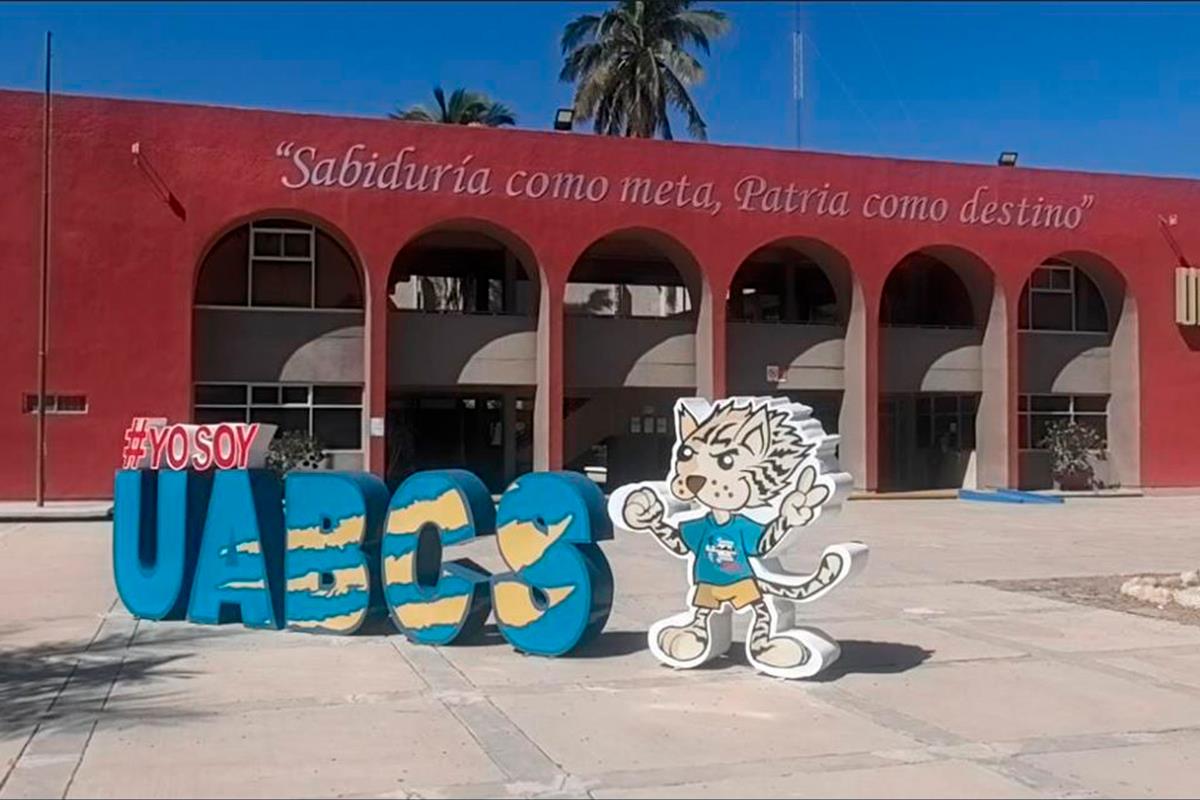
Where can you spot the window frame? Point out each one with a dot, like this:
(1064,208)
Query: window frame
(309,406)
(300,228)
(1026,413)
(1030,289)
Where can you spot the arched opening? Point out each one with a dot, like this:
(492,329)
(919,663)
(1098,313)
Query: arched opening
(279,334)
(1077,361)
(462,354)
(632,303)
(940,322)
(786,313)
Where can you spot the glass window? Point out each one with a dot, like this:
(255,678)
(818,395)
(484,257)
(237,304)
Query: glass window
(267,244)
(1035,413)
(220,394)
(222,280)
(279,263)
(294,394)
(281,283)
(265,395)
(286,419)
(333,414)
(1051,311)
(337,395)
(337,278)
(297,245)
(1062,298)
(338,428)
(212,416)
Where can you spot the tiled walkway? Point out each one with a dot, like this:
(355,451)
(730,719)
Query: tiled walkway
(946,688)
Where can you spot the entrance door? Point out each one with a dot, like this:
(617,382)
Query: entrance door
(925,440)
(457,431)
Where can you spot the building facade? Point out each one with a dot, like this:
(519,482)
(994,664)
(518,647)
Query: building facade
(420,295)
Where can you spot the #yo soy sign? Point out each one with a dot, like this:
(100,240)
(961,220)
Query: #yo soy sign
(323,551)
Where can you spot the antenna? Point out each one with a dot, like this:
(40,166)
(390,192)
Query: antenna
(798,72)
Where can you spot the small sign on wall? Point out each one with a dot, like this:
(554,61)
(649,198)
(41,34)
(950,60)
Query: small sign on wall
(377,426)
(1187,296)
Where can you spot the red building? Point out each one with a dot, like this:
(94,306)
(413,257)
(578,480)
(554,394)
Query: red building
(422,295)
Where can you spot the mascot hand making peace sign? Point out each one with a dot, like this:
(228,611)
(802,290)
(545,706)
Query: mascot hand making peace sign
(746,473)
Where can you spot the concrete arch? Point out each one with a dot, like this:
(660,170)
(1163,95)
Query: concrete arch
(944,372)
(1080,363)
(630,351)
(461,354)
(663,244)
(977,279)
(333,230)
(833,263)
(304,346)
(805,347)
(497,231)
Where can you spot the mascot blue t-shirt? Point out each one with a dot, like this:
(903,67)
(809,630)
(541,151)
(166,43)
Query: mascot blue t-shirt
(722,550)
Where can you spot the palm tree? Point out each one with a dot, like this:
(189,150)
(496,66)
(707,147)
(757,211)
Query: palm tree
(631,63)
(464,108)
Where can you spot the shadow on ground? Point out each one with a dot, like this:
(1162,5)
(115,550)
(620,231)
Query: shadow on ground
(61,684)
(858,657)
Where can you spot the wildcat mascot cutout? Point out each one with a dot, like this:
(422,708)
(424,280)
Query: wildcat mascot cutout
(746,474)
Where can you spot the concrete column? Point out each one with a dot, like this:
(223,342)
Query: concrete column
(548,398)
(858,423)
(375,392)
(995,422)
(509,425)
(1124,403)
(710,343)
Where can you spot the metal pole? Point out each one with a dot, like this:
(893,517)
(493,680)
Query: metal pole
(43,295)
(798,73)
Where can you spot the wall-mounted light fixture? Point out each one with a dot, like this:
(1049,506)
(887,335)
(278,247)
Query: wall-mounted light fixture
(1007,159)
(564,119)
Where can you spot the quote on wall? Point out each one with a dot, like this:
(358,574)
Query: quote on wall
(405,171)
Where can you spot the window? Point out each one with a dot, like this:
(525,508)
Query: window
(279,263)
(56,403)
(946,421)
(1061,297)
(333,414)
(1035,412)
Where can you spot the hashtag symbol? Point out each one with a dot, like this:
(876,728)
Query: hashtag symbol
(135,443)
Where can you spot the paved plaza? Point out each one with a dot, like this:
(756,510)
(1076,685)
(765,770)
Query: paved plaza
(946,688)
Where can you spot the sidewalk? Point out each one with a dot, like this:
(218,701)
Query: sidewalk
(60,510)
(946,688)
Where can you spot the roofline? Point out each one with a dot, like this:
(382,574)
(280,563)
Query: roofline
(643,142)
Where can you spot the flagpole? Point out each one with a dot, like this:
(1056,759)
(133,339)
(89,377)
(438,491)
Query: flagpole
(43,295)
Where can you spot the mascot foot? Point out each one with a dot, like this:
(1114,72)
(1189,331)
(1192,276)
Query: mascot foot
(780,653)
(684,643)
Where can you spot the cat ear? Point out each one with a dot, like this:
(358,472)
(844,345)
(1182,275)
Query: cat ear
(685,423)
(755,433)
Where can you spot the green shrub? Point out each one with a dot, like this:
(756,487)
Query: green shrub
(1072,447)
(292,450)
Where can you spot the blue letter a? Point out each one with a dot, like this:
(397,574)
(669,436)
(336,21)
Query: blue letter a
(239,574)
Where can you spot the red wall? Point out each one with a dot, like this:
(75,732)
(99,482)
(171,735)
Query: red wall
(123,263)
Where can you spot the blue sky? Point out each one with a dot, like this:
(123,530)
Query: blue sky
(1092,86)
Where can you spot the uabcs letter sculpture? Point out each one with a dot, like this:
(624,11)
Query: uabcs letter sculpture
(746,474)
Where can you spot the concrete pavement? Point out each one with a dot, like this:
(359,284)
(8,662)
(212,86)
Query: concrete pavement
(945,688)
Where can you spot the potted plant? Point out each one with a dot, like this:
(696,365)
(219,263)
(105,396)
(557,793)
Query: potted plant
(1072,448)
(292,450)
